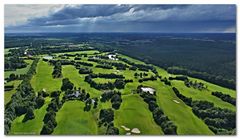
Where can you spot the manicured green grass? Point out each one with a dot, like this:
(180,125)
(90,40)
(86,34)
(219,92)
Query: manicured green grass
(30,127)
(72,120)
(187,123)
(43,78)
(8,94)
(196,94)
(77,79)
(134,113)
(19,71)
(102,80)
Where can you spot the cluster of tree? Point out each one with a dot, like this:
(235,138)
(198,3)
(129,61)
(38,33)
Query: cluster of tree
(76,94)
(84,63)
(118,65)
(77,58)
(181,78)
(22,102)
(39,101)
(205,76)
(166,81)
(141,67)
(114,96)
(67,84)
(162,120)
(195,85)
(82,95)
(152,78)
(50,50)
(107,76)
(119,83)
(50,117)
(84,70)
(220,121)
(225,97)
(12,77)
(104,66)
(62,61)
(57,70)
(14,62)
(186,100)
(141,74)
(8,87)
(106,118)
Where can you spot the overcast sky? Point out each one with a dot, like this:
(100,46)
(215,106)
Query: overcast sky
(120,18)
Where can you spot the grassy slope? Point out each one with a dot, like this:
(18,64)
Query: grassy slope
(19,71)
(72,120)
(134,113)
(43,78)
(202,95)
(78,80)
(179,113)
(31,127)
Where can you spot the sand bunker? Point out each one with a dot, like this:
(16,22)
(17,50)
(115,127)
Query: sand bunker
(176,101)
(125,128)
(112,57)
(148,89)
(135,131)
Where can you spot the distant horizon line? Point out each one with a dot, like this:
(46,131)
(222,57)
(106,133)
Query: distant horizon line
(120,32)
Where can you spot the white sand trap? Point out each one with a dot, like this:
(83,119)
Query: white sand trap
(125,128)
(148,89)
(135,131)
(112,57)
(128,133)
(176,101)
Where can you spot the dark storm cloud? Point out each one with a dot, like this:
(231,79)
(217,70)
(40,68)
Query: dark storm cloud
(138,18)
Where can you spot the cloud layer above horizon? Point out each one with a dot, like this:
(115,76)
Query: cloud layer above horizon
(120,18)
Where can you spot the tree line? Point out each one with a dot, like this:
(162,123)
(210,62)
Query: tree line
(106,118)
(57,70)
(49,119)
(114,96)
(219,80)
(225,97)
(220,121)
(22,102)
(159,117)
(119,83)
